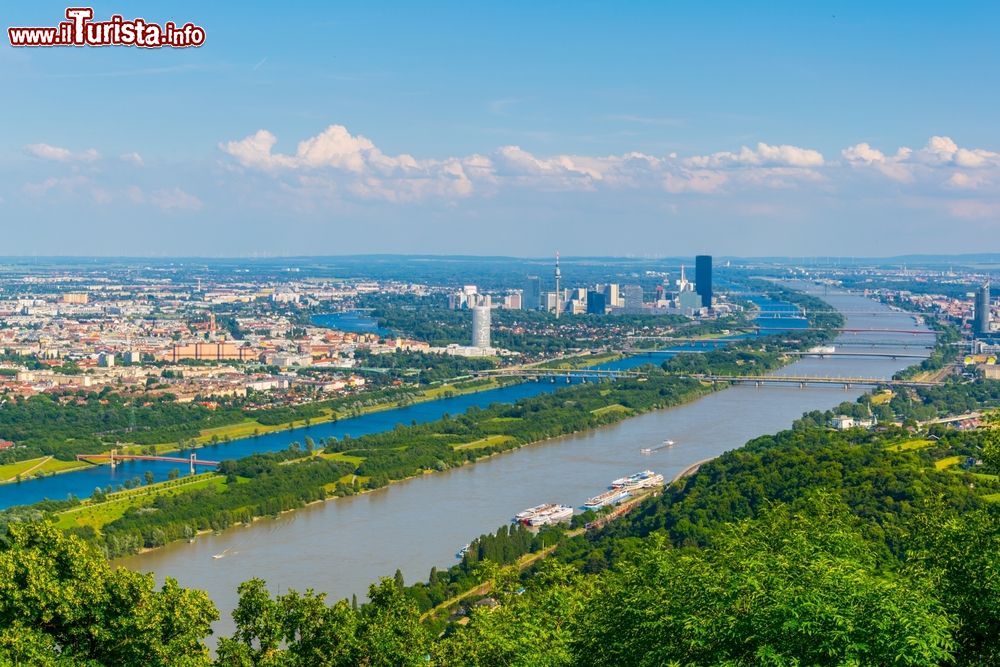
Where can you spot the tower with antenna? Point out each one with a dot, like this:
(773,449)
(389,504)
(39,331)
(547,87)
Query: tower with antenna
(558,291)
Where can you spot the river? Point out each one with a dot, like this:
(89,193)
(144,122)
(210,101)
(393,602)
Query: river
(342,545)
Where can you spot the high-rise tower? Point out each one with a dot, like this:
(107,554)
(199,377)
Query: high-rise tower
(481,326)
(558,289)
(703,279)
(981,323)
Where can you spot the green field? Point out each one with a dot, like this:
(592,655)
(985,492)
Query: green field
(340,456)
(97,515)
(614,407)
(488,441)
(910,445)
(948,462)
(44,465)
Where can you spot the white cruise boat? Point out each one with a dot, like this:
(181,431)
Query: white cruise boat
(555,515)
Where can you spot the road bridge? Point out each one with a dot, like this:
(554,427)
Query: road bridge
(566,373)
(883,355)
(805,380)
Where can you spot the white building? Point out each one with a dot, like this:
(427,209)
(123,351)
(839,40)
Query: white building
(481,327)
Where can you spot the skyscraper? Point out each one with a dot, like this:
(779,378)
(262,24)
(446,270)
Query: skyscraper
(611,295)
(532,294)
(558,293)
(703,279)
(481,327)
(596,303)
(981,324)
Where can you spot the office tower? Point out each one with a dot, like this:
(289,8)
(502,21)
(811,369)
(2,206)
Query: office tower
(481,327)
(703,279)
(633,298)
(611,295)
(558,293)
(532,299)
(981,323)
(596,303)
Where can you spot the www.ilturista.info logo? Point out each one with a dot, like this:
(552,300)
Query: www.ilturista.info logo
(81,30)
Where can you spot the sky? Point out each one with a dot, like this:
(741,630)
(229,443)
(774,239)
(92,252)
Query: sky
(513,128)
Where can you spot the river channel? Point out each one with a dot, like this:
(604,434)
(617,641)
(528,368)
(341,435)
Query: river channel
(342,545)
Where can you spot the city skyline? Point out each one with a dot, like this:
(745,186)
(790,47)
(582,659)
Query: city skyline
(302,134)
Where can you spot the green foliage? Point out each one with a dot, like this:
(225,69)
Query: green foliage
(301,630)
(61,604)
(793,587)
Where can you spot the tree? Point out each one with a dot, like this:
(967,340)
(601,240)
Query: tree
(791,587)
(959,556)
(173,473)
(61,603)
(991,448)
(148,477)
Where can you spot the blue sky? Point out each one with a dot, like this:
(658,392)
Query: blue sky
(509,128)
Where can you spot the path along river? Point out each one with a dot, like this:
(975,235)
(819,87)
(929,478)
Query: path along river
(342,545)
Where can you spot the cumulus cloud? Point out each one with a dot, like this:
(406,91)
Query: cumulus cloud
(763,155)
(963,181)
(49,152)
(354,164)
(893,167)
(132,158)
(174,199)
(937,160)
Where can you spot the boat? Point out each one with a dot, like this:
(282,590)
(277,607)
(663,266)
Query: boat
(526,515)
(638,479)
(607,498)
(464,550)
(554,515)
(650,450)
(222,554)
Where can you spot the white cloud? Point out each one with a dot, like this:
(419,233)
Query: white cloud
(763,155)
(175,199)
(893,167)
(336,165)
(49,152)
(963,181)
(65,185)
(701,181)
(133,158)
(353,164)
(908,166)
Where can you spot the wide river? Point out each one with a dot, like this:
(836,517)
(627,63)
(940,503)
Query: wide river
(343,545)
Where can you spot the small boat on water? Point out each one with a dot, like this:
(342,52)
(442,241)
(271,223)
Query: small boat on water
(464,550)
(221,554)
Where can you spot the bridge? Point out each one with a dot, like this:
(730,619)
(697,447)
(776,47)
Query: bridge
(802,313)
(919,344)
(785,330)
(114,458)
(566,373)
(883,355)
(804,380)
